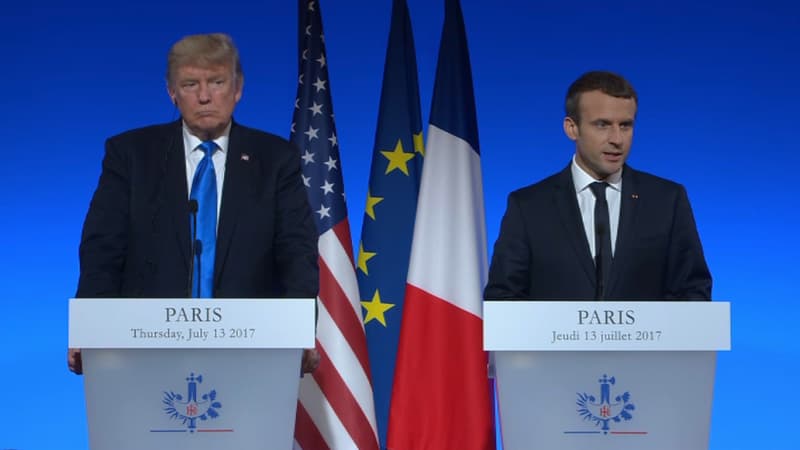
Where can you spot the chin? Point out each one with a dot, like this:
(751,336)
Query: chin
(208,126)
(207,122)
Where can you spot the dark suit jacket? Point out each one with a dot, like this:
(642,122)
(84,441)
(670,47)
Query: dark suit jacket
(136,236)
(542,251)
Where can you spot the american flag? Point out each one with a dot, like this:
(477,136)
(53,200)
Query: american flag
(335,408)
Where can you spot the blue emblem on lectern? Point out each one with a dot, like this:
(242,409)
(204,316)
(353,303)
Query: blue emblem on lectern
(606,409)
(192,407)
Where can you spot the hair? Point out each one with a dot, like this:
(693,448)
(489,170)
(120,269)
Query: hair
(608,83)
(203,50)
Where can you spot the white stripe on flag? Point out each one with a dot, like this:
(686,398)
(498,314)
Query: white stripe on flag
(323,415)
(338,261)
(448,254)
(346,364)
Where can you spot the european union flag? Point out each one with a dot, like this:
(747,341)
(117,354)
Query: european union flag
(388,226)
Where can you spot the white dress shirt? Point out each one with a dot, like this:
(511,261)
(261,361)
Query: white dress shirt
(195,154)
(586,202)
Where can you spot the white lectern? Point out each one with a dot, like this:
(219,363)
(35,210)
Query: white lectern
(605,375)
(200,374)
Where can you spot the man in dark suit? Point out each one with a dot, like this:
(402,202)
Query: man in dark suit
(599,229)
(139,237)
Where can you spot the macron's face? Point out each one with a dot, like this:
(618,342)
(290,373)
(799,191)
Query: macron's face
(604,133)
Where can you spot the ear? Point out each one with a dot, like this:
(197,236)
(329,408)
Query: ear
(171,93)
(239,87)
(571,128)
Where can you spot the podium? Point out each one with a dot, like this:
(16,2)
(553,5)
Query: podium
(200,374)
(605,375)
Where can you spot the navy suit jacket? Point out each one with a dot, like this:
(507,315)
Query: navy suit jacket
(136,237)
(542,252)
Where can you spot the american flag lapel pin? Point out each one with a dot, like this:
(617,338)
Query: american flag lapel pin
(245,157)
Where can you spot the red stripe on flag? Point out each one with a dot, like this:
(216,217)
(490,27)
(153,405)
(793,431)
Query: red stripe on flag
(342,231)
(343,403)
(338,305)
(306,433)
(451,407)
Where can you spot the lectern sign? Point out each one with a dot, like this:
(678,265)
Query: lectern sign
(193,374)
(182,323)
(193,407)
(606,326)
(605,375)
(610,407)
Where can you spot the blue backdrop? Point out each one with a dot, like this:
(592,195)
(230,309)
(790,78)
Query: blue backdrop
(718,89)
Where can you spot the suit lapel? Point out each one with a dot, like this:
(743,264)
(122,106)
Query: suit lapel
(566,201)
(177,194)
(239,179)
(627,225)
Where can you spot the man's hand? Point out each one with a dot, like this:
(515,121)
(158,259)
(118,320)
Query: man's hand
(310,360)
(74,361)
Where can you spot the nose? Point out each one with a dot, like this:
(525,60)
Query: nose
(204,93)
(615,135)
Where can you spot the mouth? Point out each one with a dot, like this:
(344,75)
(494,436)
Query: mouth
(612,156)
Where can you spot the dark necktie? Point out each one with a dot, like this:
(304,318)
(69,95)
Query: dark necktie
(204,190)
(602,238)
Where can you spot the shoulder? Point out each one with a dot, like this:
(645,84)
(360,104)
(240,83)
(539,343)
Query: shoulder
(262,142)
(147,133)
(146,144)
(647,182)
(270,151)
(542,189)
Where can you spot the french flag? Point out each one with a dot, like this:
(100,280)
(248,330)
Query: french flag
(440,398)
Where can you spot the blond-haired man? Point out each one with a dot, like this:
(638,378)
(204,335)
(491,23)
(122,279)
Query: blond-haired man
(140,237)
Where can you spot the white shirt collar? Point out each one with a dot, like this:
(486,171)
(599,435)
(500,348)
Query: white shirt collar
(193,141)
(582,179)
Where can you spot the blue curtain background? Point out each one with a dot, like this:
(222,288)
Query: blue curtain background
(718,89)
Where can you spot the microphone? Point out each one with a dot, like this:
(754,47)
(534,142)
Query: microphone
(599,233)
(193,212)
(198,250)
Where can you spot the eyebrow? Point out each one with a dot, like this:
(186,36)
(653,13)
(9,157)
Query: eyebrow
(609,121)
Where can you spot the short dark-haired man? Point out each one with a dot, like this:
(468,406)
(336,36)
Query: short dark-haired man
(599,229)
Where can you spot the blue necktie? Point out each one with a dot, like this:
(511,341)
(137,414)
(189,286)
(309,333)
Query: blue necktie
(204,190)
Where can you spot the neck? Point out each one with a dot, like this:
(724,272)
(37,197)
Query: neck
(207,135)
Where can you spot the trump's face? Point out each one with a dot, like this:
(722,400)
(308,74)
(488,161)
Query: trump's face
(206,97)
(603,133)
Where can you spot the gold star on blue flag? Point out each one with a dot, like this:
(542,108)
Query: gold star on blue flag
(391,208)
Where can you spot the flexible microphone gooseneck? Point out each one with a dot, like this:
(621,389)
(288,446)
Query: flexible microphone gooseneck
(193,212)
(599,270)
